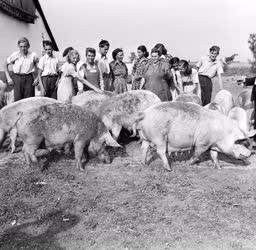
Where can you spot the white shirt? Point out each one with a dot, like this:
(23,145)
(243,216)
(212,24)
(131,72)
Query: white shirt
(208,67)
(103,63)
(23,64)
(49,65)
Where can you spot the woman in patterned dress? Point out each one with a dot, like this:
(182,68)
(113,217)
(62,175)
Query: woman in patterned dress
(118,72)
(138,67)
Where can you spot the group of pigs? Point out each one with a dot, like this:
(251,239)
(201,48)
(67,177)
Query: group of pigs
(93,121)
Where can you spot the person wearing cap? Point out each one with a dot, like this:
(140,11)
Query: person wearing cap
(103,63)
(208,67)
(48,69)
(24,63)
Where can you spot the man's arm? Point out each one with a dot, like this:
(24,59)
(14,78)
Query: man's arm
(7,74)
(41,82)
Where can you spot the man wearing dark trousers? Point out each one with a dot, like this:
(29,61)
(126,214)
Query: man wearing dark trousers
(48,68)
(24,63)
(208,67)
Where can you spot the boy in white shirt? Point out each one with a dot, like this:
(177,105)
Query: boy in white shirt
(48,72)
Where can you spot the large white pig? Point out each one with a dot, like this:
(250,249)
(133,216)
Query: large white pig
(9,112)
(189,98)
(243,100)
(91,100)
(178,126)
(115,112)
(58,124)
(244,122)
(225,99)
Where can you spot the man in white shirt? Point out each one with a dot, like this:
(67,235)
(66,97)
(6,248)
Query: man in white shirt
(24,64)
(48,69)
(208,67)
(102,61)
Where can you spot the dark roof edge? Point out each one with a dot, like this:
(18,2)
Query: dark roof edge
(39,8)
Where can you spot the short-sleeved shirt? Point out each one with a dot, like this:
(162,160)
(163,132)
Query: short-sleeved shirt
(188,82)
(49,65)
(103,63)
(209,68)
(23,64)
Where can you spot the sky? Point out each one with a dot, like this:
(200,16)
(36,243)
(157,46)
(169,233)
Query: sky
(188,28)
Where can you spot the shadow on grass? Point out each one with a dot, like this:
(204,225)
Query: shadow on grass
(39,234)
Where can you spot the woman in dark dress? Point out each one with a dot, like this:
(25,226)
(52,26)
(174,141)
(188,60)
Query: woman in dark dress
(156,76)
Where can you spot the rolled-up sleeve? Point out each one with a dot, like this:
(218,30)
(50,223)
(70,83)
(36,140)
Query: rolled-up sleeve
(12,58)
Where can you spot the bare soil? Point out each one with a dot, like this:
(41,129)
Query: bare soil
(127,205)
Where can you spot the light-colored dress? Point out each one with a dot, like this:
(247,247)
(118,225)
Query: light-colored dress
(66,84)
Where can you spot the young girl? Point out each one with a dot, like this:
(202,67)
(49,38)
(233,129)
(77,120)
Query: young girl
(187,79)
(118,72)
(66,84)
(174,67)
(138,67)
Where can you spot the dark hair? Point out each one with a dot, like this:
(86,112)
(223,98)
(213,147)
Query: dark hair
(174,60)
(215,48)
(66,51)
(23,40)
(144,50)
(91,50)
(47,43)
(186,66)
(115,52)
(161,48)
(155,50)
(103,43)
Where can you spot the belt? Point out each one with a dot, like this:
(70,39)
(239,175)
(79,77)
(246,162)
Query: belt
(51,76)
(205,76)
(21,74)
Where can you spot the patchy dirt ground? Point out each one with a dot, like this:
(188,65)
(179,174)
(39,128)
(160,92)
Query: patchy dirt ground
(127,205)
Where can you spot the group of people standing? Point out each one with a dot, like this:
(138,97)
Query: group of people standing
(164,75)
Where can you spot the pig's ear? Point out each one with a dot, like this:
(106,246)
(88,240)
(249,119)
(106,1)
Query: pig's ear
(110,141)
(251,133)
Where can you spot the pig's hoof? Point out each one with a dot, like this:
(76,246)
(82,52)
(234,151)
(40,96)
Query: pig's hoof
(217,166)
(168,168)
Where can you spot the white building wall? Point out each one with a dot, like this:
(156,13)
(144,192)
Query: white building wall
(12,29)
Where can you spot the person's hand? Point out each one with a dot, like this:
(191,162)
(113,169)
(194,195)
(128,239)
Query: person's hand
(10,82)
(35,83)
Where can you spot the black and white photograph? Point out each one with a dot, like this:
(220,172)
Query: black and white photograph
(127,124)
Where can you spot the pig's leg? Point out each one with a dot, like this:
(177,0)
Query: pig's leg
(79,146)
(161,150)
(116,131)
(214,156)
(13,136)
(199,149)
(145,150)
(29,152)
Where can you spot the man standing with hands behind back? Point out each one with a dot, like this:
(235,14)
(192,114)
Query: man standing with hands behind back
(208,67)
(24,64)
